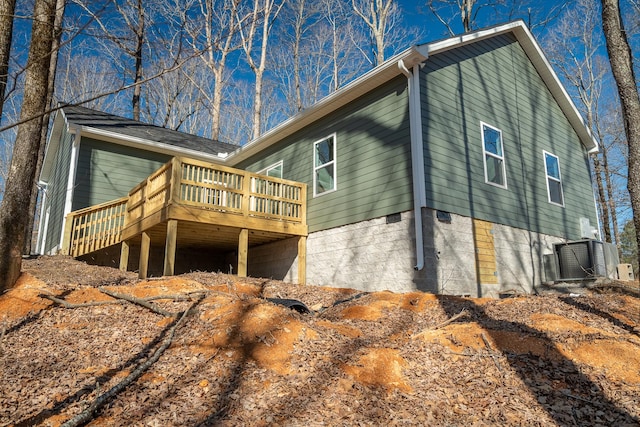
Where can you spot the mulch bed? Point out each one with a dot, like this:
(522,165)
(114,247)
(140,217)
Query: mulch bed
(358,359)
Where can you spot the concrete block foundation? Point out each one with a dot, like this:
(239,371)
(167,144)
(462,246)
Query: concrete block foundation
(380,254)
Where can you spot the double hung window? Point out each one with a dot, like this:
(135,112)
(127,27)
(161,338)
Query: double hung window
(324,165)
(554,180)
(494,169)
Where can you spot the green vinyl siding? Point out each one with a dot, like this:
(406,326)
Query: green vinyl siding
(109,171)
(494,82)
(56,191)
(373,159)
(490,82)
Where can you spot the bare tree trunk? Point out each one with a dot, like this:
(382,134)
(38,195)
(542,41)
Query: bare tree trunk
(602,200)
(611,198)
(33,202)
(259,72)
(217,102)
(132,19)
(609,186)
(298,30)
(267,12)
(597,171)
(333,13)
(621,61)
(13,218)
(139,32)
(7,10)
(442,9)
(375,14)
(223,47)
(334,57)
(466,9)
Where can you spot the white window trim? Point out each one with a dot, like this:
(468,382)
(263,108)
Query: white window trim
(266,170)
(485,153)
(334,162)
(547,177)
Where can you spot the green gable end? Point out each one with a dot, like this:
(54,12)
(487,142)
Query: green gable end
(109,171)
(494,82)
(56,191)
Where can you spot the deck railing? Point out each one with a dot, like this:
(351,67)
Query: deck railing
(94,228)
(186,182)
(215,187)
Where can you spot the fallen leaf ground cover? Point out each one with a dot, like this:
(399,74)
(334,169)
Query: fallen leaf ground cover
(357,359)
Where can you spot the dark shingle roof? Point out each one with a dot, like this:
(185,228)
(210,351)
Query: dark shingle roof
(81,116)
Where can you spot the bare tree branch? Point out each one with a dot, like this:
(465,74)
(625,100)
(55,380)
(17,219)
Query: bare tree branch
(87,415)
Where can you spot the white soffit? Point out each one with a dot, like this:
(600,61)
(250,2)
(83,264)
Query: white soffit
(343,96)
(538,59)
(412,56)
(145,144)
(358,87)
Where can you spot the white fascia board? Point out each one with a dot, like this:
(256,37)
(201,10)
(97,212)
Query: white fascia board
(415,55)
(558,91)
(464,39)
(539,61)
(545,70)
(343,96)
(146,144)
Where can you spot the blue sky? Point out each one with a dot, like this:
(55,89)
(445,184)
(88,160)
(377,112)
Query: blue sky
(418,14)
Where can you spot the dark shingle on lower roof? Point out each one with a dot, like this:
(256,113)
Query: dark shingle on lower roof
(82,116)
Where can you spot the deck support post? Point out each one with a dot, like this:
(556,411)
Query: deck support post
(170,247)
(124,255)
(145,245)
(302,260)
(243,249)
(67,238)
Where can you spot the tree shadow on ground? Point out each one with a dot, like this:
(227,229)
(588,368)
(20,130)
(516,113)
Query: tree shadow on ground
(87,388)
(321,376)
(585,306)
(569,396)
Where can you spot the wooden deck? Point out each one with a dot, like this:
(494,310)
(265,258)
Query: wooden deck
(189,203)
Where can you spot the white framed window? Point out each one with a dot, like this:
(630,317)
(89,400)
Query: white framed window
(275,170)
(324,165)
(493,156)
(554,179)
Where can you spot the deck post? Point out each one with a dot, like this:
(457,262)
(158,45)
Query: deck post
(176,176)
(302,260)
(145,245)
(243,249)
(124,255)
(67,238)
(170,247)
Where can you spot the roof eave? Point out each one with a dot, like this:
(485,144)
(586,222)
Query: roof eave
(343,96)
(417,54)
(146,144)
(539,61)
(544,68)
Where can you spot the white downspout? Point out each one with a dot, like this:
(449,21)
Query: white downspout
(417,156)
(45,230)
(41,217)
(70,183)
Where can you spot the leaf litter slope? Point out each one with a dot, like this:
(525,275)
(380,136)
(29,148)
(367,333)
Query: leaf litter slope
(359,358)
